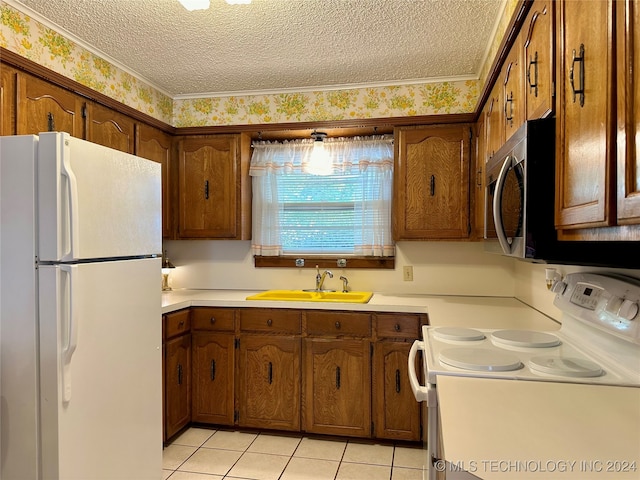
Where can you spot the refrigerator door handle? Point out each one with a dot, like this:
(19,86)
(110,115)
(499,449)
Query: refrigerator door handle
(72,247)
(70,328)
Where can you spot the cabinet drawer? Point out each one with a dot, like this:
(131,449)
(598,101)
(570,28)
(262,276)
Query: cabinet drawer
(398,326)
(339,323)
(270,320)
(213,319)
(177,323)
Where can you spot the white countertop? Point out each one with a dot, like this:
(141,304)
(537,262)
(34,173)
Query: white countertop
(499,429)
(480,312)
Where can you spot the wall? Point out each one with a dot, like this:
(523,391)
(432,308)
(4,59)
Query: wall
(442,268)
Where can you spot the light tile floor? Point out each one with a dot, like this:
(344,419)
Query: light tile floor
(202,454)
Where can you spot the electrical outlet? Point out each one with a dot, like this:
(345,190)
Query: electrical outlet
(407,273)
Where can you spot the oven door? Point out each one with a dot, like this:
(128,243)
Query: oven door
(427,395)
(505,206)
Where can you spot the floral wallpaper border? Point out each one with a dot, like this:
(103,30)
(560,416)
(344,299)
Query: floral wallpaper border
(31,39)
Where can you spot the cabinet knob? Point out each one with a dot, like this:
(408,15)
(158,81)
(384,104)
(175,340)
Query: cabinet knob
(397,327)
(269,322)
(181,324)
(338,325)
(212,320)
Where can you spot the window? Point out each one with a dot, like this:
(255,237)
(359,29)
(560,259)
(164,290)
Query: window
(345,212)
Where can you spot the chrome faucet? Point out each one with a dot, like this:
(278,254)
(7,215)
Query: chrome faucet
(345,284)
(320,277)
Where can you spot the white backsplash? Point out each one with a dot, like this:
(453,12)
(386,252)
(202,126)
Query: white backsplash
(440,268)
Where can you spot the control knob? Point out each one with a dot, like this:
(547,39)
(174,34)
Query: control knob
(628,310)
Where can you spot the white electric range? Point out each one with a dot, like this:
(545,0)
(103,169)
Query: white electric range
(598,343)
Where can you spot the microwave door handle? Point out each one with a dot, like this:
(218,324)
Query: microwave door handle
(497,205)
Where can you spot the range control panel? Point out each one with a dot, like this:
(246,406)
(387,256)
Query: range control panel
(608,301)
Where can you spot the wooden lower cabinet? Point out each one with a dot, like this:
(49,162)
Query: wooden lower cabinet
(177,384)
(397,414)
(337,382)
(269,382)
(213,372)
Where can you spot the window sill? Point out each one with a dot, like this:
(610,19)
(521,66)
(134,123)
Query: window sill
(387,263)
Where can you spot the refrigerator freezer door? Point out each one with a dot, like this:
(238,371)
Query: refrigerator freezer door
(101,363)
(95,202)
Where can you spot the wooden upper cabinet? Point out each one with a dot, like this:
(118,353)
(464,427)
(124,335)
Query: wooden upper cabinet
(513,97)
(431,182)
(538,59)
(43,107)
(213,187)
(628,105)
(109,128)
(156,145)
(584,150)
(494,118)
(7,100)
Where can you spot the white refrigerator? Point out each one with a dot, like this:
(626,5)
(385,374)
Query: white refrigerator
(80,302)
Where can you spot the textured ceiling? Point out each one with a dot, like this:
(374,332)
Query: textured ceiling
(277,45)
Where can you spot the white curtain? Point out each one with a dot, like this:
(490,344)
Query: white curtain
(370,157)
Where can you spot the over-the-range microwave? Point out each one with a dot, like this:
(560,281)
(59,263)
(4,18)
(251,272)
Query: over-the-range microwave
(519,206)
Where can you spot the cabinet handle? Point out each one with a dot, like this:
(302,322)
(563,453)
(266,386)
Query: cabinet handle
(432,185)
(396,327)
(270,373)
(533,86)
(51,125)
(212,320)
(397,381)
(338,325)
(580,89)
(509,114)
(269,322)
(213,370)
(181,324)
(179,374)
(338,378)
(206,189)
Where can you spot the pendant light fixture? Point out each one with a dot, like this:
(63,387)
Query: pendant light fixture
(319,163)
(192,5)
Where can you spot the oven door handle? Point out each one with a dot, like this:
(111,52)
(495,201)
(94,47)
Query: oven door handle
(497,204)
(419,391)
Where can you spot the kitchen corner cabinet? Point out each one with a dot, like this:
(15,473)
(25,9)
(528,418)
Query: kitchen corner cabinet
(337,378)
(431,182)
(397,414)
(214,193)
(628,117)
(213,366)
(269,374)
(177,371)
(156,145)
(538,50)
(109,128)
(43,107)
(585,162)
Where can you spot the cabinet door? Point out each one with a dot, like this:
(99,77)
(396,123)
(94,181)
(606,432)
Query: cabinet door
(628,96)
(397,414)
(213,372)
(7,100)
(584,149)
(109,128)
(269,383)
(513,90)
(494,129)
(431,187)
(338,387)
(43,107)
(209,187)
(538,59)
(155,145)
(177,384)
